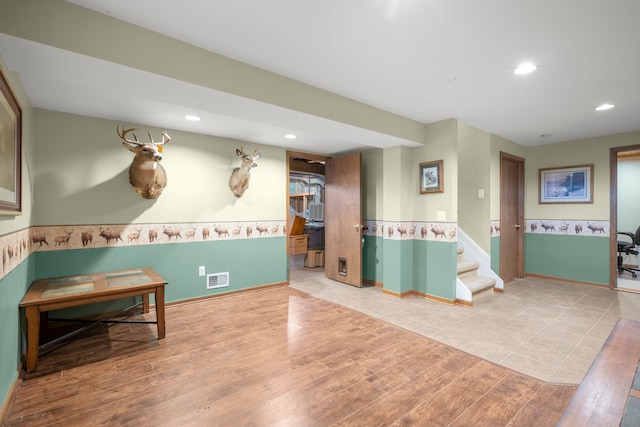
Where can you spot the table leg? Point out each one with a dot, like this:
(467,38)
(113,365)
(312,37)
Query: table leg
(160,311)
(145,303)
(33,337)
(44,322)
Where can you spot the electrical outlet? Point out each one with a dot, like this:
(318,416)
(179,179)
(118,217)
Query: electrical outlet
(201,270)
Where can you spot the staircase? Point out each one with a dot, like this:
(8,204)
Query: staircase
(468,274)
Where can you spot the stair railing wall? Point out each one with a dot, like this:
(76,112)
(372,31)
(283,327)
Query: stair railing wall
(473,252)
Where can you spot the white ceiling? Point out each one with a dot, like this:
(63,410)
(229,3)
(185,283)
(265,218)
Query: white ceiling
(427,60)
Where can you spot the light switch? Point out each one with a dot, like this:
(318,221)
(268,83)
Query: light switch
(441,215)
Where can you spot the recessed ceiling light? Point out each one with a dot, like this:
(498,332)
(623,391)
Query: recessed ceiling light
(192,118)
(604,107)
(525,69)
(290,136)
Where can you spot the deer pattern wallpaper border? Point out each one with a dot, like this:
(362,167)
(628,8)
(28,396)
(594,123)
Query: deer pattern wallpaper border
(16,247)
(405,230)
(595,228)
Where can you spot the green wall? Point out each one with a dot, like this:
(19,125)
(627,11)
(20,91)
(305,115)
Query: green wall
(495,255)
(372,258)
(424,266)
(437,266)
(398,266)
(12,288)
(250,263)
(571,257)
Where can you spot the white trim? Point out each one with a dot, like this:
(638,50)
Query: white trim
(462,292)
(473,252)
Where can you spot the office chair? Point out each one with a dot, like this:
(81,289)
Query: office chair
(628,248)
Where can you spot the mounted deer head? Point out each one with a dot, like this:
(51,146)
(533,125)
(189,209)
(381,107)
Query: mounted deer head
(239,179)
(146,174)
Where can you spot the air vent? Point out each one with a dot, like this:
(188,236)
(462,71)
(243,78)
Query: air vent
(217,280)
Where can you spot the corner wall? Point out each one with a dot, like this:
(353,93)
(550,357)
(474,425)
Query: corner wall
(16,271)
(409,248)
(571,241)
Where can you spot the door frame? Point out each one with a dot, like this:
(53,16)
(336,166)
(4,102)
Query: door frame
(613,211)
(520,220)
(291,155)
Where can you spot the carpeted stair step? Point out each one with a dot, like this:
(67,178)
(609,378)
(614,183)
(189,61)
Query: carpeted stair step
(468,274)
(479,283)
(467,269)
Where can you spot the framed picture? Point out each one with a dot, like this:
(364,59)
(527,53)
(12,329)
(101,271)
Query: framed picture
(431,177)
(572,184)
(10,151)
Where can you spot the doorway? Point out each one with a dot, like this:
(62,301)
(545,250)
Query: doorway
(305,205)
(622,162)
(511,217)
(341,254)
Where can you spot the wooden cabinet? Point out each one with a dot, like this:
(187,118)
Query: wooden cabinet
(298,244)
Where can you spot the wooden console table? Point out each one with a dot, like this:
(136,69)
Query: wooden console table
(45,295)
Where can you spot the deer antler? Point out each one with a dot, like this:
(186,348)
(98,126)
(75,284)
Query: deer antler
(165,138)
(123,136)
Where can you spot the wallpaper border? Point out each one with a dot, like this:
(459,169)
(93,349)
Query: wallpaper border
(17,246)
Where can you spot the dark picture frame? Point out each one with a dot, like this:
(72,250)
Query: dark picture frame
(431,177)
(10,151)
(570,184)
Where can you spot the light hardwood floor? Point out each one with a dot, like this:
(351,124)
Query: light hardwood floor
(276,357)
(551,330)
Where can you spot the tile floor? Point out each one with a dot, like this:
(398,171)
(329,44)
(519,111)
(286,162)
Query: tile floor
(628,283)
(551,330)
